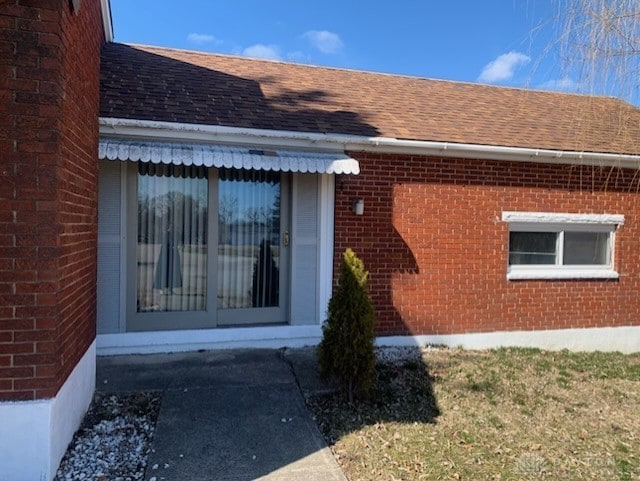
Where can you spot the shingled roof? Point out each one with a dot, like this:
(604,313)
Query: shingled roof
(152,83)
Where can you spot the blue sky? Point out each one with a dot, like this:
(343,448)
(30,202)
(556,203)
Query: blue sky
(502,42)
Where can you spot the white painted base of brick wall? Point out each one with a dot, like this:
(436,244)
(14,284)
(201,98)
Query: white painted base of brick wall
(34,435)
(625,339)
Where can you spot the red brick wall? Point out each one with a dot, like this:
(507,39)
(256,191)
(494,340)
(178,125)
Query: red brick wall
(436,249)
(49,69)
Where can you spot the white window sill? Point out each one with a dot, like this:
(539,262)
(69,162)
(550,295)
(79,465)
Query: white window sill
(586,273)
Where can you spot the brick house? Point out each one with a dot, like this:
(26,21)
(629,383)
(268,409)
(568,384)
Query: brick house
(491,215)
(201,191)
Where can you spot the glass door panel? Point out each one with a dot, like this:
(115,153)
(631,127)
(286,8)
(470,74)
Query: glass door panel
(250,274)
(171,248)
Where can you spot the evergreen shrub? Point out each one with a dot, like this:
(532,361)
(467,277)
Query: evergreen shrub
(346,353)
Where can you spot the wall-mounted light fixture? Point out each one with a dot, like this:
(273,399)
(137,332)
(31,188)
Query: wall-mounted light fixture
(358,206)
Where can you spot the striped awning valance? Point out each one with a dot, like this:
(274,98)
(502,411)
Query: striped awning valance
(237,157)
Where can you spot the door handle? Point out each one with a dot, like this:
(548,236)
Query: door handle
(286,238)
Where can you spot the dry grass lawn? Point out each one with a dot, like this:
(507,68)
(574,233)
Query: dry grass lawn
(507,414)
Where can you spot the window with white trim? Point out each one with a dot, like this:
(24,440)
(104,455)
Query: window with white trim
(561,246)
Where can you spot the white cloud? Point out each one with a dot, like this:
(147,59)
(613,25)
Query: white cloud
(201,38)
(565,84)
(503,67)
(326,42)
(259,50)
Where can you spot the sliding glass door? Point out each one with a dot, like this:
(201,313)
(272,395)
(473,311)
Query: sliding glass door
(210,247)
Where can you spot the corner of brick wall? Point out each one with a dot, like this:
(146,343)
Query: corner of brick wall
(48,140)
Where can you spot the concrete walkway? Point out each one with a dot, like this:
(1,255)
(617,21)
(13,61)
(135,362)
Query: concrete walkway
(228,415)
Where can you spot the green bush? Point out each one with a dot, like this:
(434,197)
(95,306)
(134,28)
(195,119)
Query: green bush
(346,353)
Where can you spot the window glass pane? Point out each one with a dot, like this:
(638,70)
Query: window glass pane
(586,248)
(171,250)
(532,248)
(531,259)
(249,239)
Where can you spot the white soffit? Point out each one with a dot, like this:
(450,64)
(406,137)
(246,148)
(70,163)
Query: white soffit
(237,157)
(163,131)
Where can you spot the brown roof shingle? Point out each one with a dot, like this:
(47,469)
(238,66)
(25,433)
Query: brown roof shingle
(152,83)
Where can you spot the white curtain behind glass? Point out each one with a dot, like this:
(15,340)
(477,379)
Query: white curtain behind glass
(172,238)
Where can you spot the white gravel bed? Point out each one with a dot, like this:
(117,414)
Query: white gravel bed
(398,355)
(114,439)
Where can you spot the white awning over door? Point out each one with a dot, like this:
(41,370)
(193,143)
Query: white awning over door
(236,157)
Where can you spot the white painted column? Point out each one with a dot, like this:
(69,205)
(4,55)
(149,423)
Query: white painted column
(327,206)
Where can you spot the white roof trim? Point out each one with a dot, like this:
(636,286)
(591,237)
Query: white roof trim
(107,24)
(216,155)
(563,218)
(342,142)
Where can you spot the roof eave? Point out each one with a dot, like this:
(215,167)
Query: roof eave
(133,128)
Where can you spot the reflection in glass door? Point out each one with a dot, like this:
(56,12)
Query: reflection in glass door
(171,248)
(250,264)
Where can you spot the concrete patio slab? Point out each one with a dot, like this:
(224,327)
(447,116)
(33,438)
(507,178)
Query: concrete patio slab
(225,415)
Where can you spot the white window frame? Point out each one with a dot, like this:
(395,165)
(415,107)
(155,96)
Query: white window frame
(561,223)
